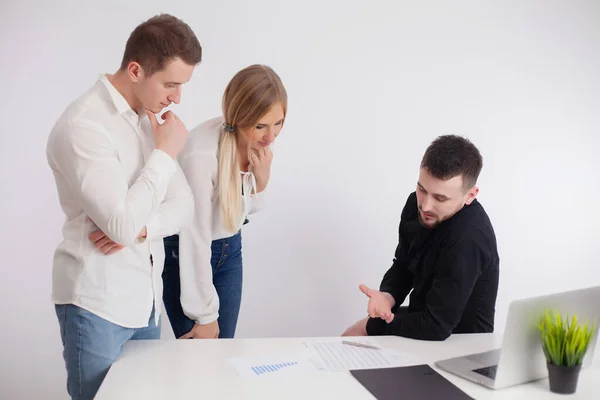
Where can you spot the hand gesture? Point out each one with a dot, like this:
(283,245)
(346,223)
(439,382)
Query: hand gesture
(169,136)
(380,303)
(261,159)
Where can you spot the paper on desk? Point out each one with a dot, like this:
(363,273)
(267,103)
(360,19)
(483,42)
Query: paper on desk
(260,367)
(337,356)
(316,356)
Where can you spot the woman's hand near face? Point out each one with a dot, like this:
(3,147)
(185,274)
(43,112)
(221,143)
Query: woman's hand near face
(261,159)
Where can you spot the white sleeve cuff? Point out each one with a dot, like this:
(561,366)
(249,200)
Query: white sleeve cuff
(205,320)
(162,163)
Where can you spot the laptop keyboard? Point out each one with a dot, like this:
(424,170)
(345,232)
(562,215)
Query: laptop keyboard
(490,372)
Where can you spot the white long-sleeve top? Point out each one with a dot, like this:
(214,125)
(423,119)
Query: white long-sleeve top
(199,162)
(106,168)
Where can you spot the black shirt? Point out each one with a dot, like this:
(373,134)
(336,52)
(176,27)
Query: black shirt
(453,271)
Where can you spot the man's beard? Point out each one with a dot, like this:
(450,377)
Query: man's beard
(426,225)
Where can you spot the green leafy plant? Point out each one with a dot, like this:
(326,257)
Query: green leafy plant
(565,341)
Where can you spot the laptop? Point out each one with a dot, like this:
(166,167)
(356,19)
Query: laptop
(521,358)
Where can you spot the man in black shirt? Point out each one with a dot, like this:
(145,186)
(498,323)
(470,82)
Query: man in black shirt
(446,254)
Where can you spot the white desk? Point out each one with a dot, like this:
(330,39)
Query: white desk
(198,369)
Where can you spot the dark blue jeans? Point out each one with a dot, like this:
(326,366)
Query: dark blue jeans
(226,262)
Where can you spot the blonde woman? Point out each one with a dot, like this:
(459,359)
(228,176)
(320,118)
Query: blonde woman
(227,162)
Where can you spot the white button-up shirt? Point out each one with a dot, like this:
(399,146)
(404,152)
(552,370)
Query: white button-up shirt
(107,171)
(200,161)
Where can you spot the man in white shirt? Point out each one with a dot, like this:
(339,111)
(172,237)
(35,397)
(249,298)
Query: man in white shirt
(122,192)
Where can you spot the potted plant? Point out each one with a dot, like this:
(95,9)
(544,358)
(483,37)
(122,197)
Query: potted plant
(565,342)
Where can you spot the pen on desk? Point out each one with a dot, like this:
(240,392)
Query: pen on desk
(356,344)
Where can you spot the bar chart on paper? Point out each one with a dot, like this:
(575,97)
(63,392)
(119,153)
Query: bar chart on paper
(265,369)
(266,366)
(319,357)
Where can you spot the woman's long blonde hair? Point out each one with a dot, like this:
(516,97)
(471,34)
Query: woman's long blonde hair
(249,95)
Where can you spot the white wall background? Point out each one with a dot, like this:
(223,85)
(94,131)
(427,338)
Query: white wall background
(370,85)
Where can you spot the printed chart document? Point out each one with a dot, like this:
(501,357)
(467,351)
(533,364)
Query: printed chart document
(269,367)
(321,356)
(338,356)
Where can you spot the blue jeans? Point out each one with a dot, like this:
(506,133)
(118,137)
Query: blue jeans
(90,346)
(226,262)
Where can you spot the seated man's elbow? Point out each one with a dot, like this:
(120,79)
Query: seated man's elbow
(427,335)
(433,336)
(438,333)
(440,336)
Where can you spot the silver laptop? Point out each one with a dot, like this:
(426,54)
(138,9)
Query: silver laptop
(521,358)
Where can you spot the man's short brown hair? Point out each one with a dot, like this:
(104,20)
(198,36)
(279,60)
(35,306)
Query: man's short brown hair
(449,156)
(160,39)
